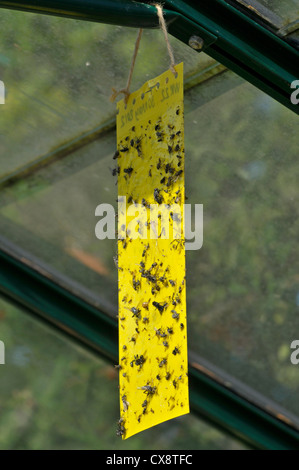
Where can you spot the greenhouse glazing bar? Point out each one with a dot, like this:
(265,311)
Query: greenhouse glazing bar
(22,283)
(230,36)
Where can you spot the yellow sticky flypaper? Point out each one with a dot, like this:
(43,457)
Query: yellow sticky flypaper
(151,255)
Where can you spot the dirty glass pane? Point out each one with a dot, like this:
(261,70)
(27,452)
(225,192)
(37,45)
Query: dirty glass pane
(56,396)
(287,10)
(276,12)
(51,214)
(58,75)
(242,285)
(242,153)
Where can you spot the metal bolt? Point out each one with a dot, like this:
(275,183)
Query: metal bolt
(196,42)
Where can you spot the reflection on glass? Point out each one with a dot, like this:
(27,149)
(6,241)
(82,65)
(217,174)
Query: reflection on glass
(287,10)
(59,79)
(243,285)
(56,396)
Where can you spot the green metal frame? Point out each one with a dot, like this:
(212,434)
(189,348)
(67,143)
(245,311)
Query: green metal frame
(41,295)
(230,36)
(259,56)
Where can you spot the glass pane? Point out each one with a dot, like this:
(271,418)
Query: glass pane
(242,150)
(59,230)
(276,12)
(59,80)
(56,396)
(288,10)
(241,164)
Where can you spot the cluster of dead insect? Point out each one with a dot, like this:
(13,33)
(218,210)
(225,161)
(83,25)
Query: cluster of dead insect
(175,315)
(136,143)
(145,250)
(135,312)
(171,172)
(125,403)
(138,360)
(157,196)
(160,333)
(148,389)
(154,274)
(161,307)
(128,170)
(125,242)
(163,362)
(147,273)
(136,283)
(144,406)
(116,171)
(124,148)
(121,431)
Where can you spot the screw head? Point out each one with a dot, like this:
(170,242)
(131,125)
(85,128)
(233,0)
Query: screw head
(196,42)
